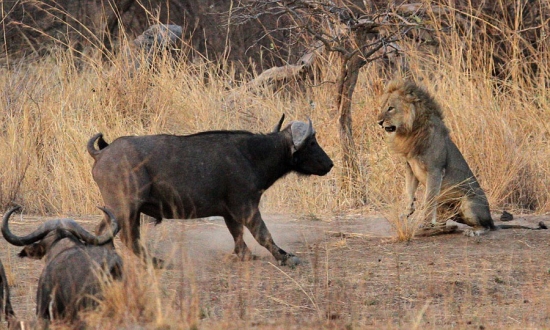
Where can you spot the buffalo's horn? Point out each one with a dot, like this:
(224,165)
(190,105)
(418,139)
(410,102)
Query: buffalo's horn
(277,128)
(299,137)
(25,240)
(82,234)
(68,225)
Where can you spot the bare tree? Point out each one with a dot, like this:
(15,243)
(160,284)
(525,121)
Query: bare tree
(359,37)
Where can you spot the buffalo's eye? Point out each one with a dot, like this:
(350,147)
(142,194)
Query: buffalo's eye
(312,143)
(390,109)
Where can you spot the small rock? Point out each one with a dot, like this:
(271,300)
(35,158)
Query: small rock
(506,216)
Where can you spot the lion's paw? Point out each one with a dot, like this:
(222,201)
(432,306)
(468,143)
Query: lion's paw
(470,233)
(473,232)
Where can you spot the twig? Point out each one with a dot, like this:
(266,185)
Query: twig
(301,288)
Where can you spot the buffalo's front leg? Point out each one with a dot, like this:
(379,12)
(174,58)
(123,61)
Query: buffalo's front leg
(236,230)
(258,229)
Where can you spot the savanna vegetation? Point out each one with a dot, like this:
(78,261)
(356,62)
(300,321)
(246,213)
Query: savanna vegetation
(489,70)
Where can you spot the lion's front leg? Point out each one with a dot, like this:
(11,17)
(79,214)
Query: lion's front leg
(433,189)
(411,184)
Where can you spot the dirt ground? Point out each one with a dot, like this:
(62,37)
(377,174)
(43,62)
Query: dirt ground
(353,276)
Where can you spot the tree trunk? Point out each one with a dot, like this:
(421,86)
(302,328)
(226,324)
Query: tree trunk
(351,185)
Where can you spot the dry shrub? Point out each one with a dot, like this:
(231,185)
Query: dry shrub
(139,300)
(404,227)
(131,301)
(419,223)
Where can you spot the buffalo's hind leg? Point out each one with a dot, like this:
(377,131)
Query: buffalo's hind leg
(130,234)
(236,230)
(133,240)
(258,229)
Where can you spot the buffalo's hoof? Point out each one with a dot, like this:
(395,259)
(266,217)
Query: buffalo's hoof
(241,258)
(291,261)
(246,256)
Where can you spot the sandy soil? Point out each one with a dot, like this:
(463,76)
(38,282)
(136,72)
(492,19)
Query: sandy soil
(354,275)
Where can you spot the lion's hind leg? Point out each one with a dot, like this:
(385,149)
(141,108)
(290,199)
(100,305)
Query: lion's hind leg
(475,213)
(439,229)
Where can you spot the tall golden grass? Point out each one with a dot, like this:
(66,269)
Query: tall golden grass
(50,108)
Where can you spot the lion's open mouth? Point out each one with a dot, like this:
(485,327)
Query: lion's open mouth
(390,129)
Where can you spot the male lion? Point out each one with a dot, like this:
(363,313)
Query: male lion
(414,127)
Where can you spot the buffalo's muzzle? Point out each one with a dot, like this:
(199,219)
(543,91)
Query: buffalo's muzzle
(325,168)
(329,167)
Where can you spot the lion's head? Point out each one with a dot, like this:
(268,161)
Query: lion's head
(406,107)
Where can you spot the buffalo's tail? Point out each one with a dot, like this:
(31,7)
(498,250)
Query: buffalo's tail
(101,143)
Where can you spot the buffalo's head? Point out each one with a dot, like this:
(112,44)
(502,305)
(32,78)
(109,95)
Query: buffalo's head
(40,242)
(307,155)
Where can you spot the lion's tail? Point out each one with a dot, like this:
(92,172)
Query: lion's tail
(541,225)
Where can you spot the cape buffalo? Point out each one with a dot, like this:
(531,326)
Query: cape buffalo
(75,262)
(5,297)
(214,173)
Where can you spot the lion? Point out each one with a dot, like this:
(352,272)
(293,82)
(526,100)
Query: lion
(414,126)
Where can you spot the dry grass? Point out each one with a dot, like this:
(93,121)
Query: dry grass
(50,108)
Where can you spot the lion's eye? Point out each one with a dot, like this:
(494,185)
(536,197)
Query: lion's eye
(390,109)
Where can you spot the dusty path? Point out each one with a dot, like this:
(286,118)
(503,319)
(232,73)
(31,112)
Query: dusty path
(205,239)
(363,278)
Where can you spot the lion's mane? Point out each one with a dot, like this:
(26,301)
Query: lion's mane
(421,118)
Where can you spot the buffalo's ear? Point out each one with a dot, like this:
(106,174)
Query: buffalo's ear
(300,133)
(33,251)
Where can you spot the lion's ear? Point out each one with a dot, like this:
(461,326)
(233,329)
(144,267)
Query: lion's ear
(411,97)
